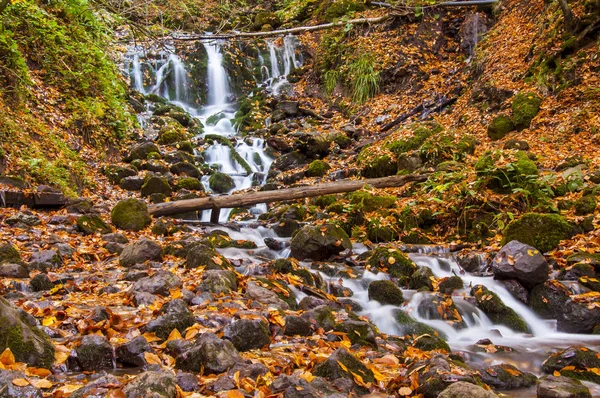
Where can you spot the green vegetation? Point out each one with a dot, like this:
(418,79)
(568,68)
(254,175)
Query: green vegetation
(542,231)
(500,126)
(525,107)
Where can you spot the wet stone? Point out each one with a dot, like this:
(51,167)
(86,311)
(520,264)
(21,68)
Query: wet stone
(152,385)
(94,353)
(247,334)
(97,388)
(173,315)
(132,352)
(561,387)
(209,353)
(9,390)
(40,283)
(160,283)
(139,252)
(9,270)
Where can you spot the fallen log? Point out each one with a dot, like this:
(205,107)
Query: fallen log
(251,198)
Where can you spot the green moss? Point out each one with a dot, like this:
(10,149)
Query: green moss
(394,261)
(542,231)
(369,202)
(189,183)
(90,225)
(130,215)
(221,182)
(496,310)
(524,165)
(409,326)
(448,285)
(171,134)
(156,185)
(525,107)
(421,132)
(582,360)
(585,205)
(377,232)
(338,8)
(317,168)
(429,342)
(9,254)
(378,166)
(324,201)
(499,127)
(386,292)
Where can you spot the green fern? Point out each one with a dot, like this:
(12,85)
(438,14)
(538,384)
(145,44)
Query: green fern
(364,78)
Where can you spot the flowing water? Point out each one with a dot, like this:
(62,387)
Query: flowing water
(166,75)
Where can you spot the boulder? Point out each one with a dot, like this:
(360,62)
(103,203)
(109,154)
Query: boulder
(173,315)
(521,262)
(45,259)
(579,362)
(100,387)
(9,254)
(156,185)
(437,306)
(218,281)
(139,252)
(94,353)
(548,299)
(264,296)
(132,352)
(92,224)
(11,270)
(116,173)
(386,292)
(221,182)
(247,334)
(421,279)
(152,385)
(18,332)
(141,151)
(185,168)
(525,107)
(450,284)
(499,127)
(343,365)
(394,261)
(132,183)
(160,283)
(41,283)
(289,161)
(506,377)
(24,219)
(561,387)
(209,353)
(359,332)
(542,231)
(578,317)
(496,310)
(463,389)
(409,326)
(8,389)
(201,255)
(517,290)
(319,242)
(297,326)
(130,215)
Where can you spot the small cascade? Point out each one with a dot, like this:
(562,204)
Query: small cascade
(281,57)
(218,82)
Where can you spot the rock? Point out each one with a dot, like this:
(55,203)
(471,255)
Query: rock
(185,168)
(188,382)
(203,255)
(80,206)
(521,262)
(297,326)
(585,205)
(152,385)
(289,161)
(463,389)
(27,219)
(578,317)
(561,387)
(517,290)
(450,284)
(143,298)
(221,182)
(45,259)
(19,333)
(359,332)
(499,127)
(116,173)
(41,283)
(409,326)
(319,242)
(218,281)
(139,252)
(264,296)
(10,390)
(130,215)
(160,283)
(341,365)
(581,361)
(95,353)
(525,107)
(506,377)
(156,185)
(542,231)
(386,292)
(97,388)
(10,270)
(247,334)
(132,183)
(141,151)
(209,353)
(514,143)
(132,352)
(317,168)
(321,316)
(9,254)
(290,108)
(437,306)
(91,224)
(174,315)
(397,263)
(409,162)
(496,310)
(548,299)
(421,279)
(115,238)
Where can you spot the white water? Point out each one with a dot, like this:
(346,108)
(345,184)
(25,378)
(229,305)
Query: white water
(281,56)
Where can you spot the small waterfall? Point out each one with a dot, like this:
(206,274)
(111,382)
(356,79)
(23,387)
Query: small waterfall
(218,83)
(280,57)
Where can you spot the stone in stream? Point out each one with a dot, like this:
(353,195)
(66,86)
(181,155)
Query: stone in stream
(410,326)
(579,362)
(342,365)
(10,390)
(247,334)
(139,252)
(505,377)
(321,316)
(94,353)
(173,315)
(210,353)
(517,290)
(97,388)
(161,283)
(548,299)
(463,389)
(437,306)
(450,284)
(385,292)
(394,261)
(439,372)
(156,185)
(218,281)
(264,296)
(287,162)
(521,262)
(561,387)
(202,255)
(18,331)
(496,310)
(185,168)
(12,270)
(41,283)
(132,352)
(9,254)
(421,279)
(152,385)
(579,317)
(130,215)
(359,332)
(221,182)
(319,242)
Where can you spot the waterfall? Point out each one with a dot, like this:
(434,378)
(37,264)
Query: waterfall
(280,57)
(218,83)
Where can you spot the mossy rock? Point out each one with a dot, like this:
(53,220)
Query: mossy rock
(9,254)
(266,18)
(156,185)
(386,292)
(324,201)
(342,364)
(542,231)
(449,285)
(116,173)
(525,107)
(141,151)
(221,182)
(378,233)
(90,225)
(172,133)
(319,242)
(358,332)
(497,311)
(130,215)
(394,261)
(343,141)
(201,255)
(582,361)
(409,326)
(431,342)
(499,127)
(317,168)
(189,183)
(369,202)
(422,279)
(212,120)
(421,132)
(585,205)
(380,166)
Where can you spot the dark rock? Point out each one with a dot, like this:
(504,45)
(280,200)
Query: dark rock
(114,248)
(359,332)
(130,215)
(132,352)
(188,382)
(581,359)
(45,259)
(10,270)
(247,334)
(92,224)
(139,252)
(160,283)
(517,290)
(450,284)
(463,389)
(289,161)
(506,377)
(548,299)
(141,151)
(115,238)
(10,390)
(496,310)
(132,183)
(156,185)
(116,173)
(437,306)
(578,317)
(143,298)
(218,281)
(209,353)
(521,262)
(319,242)
(472,261)
(331,369)
(152,385)
(221,182)
(174,315)
(514,143)
(421,279)
(289,107)
(274,244)
(264,296)
(185,168)
(297,326)
(95,353)
(386,292)
(409,326)
(561,387)
(41,283)
(98,388)
(203,255)
(542,231)
(24,219)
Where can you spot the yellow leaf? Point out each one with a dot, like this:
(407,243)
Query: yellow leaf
(151,337)
(405,391)
(359,380)
(60,357)
(344,368)
(56,288)
(7,357)
(234,394)
(48,321)
(391,260)
(568,368)
(40,372)
(217,260)
(20,382)
(556,373)
(307,376)
(594,370)
(174,335)
(41,383)
(152,359)
(513,372)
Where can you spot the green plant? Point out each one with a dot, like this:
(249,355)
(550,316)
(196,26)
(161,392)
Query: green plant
(364,79)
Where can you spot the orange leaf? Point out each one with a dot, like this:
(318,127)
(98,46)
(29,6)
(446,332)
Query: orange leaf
(556,373)
(20,382)
(7,357)
(234,394)
(405,391)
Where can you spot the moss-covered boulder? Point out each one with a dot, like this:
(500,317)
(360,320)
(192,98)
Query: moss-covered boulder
(189,183)
(378,232)
(499,127)
(173,315)
(576,362)
(27,343)
(369,202)
(450,284)
(358,332)
(496,310)
(386,292)
(317,168)
(525,107)
(343,365)
(409,326)
(266,18)
(156,185)
(209,353)
(91,224)
(201,255)
(248,334)
(130,215)
(422,279)
(430,342)
(171,132)
(141,151)
(542,231)
(95,353)
(585,205)
(221,182)
(152,384)
(9,254)
(378,166)
(551,386)
(393,261)
(116,173)
(548,299)
(319,242)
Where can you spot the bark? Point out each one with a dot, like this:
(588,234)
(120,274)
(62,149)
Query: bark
(252,198)
(570,19)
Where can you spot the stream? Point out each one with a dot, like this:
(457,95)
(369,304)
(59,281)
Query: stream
(167,75)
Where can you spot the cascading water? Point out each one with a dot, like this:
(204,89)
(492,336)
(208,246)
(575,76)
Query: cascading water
(280,57)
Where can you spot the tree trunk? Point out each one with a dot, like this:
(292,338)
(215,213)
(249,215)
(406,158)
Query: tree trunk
(252,198)
(570,19)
